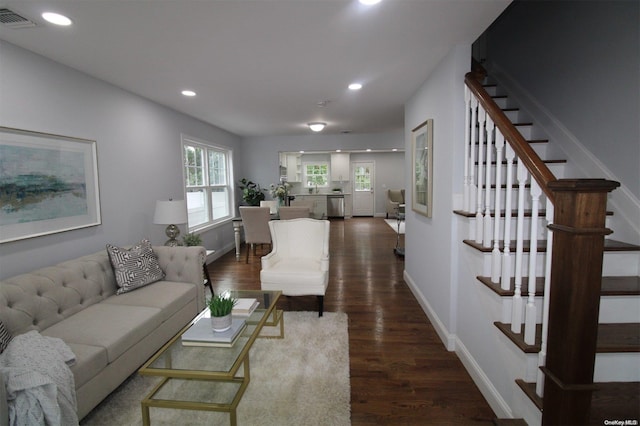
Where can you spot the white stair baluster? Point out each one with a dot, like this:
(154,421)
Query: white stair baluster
(467,147)
(530,310)
(542,355)
(482,115)
(495,254)
(486,233)
(472,164)
(516,313)
(505,281)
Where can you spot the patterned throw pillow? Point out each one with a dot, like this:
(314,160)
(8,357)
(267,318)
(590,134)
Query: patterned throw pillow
(134,267)
(5,337)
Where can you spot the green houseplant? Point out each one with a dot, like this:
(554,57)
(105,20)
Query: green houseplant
(220,308)
(192,239)
(252,194)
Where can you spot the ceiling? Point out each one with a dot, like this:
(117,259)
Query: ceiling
(260,67)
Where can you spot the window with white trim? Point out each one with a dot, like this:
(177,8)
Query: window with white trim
(316,174)
(207,175)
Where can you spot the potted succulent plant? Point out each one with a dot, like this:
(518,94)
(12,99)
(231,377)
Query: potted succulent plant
(220,308)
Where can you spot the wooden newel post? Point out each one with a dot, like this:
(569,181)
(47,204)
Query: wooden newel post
(576,276)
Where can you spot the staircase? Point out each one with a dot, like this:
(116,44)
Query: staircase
(514,207)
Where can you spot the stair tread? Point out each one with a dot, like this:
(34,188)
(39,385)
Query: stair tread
(611,286)
(611,400)
(612,338)
(609,246)
(550,161)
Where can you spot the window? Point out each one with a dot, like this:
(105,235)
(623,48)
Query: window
(316,174)
(207,175)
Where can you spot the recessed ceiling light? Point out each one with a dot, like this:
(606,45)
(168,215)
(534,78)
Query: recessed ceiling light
(188,93)
(369,2)
(355,86)
(338,150)
(368,149)
(56,18)
(394,149)
(317,127)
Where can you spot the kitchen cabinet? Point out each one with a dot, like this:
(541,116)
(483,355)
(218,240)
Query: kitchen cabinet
(294,168)
(340,167)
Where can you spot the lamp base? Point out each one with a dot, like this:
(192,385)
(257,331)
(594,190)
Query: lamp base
(172,232)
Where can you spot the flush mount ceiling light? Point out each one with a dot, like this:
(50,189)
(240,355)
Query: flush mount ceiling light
(188,93)
(355,86)
(56,18)
(317,127)
(369,2)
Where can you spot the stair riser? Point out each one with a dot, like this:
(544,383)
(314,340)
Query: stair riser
(617,367)
(612,309)
(541,230)
(619,309)
(620,264)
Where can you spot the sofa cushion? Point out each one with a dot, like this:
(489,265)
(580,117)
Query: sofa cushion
(90,360)
(168,296)
(113,327)
(134,267)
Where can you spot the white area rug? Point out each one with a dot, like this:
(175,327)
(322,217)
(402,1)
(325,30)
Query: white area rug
(393,223)
(302,379)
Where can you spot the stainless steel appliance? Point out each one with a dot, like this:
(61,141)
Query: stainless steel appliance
(335,205)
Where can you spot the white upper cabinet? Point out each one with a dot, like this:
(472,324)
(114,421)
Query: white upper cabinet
(339,167)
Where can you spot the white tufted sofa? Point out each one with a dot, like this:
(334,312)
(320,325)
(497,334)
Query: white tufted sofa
(111,335)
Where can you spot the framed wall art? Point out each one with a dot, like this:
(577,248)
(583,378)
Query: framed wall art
(48,184)
(422,177)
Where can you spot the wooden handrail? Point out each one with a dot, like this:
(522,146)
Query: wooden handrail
(523,150)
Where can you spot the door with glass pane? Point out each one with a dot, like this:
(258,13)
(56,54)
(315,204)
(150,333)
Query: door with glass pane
(363,184)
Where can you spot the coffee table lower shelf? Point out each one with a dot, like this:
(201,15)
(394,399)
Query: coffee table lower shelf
(206,384)
(242,383)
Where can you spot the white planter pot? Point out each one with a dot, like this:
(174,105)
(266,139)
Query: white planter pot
(220,324)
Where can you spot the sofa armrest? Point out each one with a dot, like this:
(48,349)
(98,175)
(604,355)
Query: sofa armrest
(4,408)
(184,264)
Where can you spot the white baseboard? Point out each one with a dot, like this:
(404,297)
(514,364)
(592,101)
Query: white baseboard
(452,343)
(490,393)
(447,338)
(217,254)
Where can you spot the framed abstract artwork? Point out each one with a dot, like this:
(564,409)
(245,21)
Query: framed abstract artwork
(48,184)
(422,177)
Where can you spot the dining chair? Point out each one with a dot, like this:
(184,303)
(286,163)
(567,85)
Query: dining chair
(272,204)
(255,221)
(289,212)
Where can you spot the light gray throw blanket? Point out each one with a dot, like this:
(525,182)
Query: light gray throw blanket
(40,385)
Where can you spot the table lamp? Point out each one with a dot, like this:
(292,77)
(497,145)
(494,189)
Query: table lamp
(170,213)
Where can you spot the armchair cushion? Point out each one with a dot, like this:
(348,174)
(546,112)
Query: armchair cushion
(299,262)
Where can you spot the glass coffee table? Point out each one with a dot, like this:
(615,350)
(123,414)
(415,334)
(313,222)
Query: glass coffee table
(208,378)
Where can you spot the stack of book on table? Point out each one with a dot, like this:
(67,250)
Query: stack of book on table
(244,307)
(201,334)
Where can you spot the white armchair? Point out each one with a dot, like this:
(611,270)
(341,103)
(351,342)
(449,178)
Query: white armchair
(298,265)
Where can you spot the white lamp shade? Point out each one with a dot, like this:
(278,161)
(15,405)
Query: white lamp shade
(170,212)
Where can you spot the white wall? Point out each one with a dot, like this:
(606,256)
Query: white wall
(439,268)
(139,157)
(430,265)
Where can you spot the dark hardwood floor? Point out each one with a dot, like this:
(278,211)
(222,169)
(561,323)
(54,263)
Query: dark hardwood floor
(401,373)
